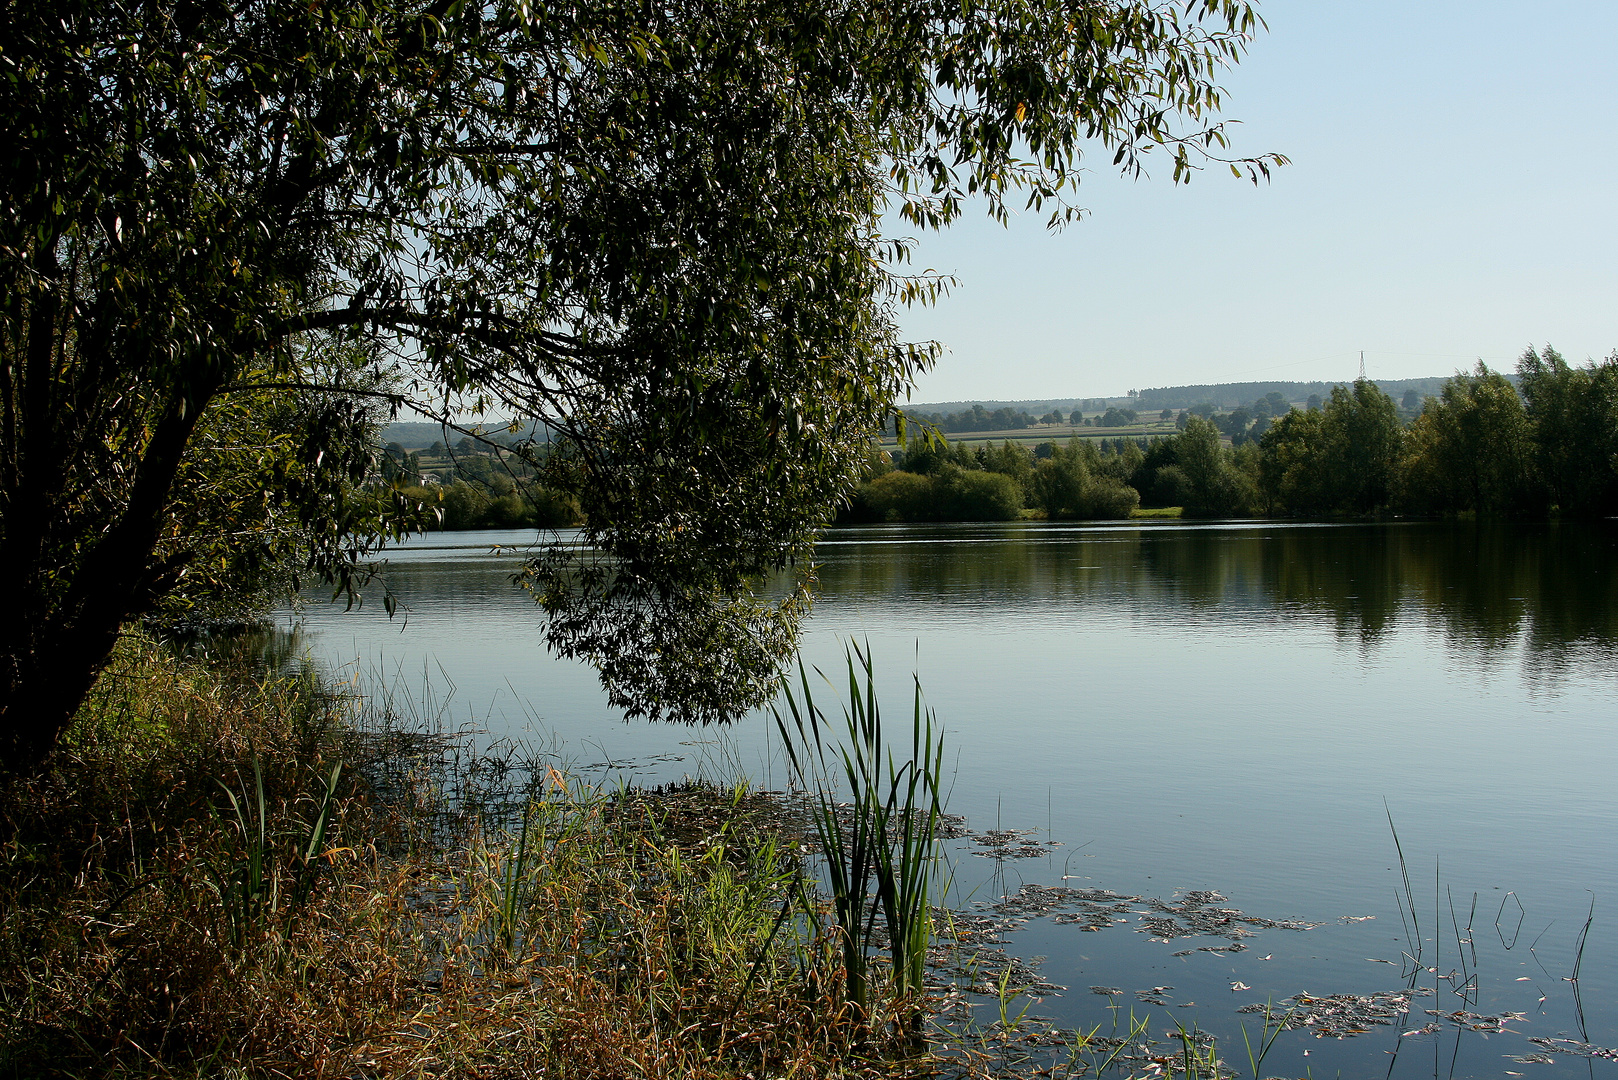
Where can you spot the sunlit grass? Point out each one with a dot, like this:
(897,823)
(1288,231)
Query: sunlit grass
(228,873)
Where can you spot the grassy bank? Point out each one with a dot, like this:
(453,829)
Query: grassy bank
(231,871)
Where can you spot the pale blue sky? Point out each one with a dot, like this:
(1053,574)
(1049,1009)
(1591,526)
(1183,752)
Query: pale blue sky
(1450,198)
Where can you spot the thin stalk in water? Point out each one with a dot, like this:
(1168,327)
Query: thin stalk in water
(1413,926)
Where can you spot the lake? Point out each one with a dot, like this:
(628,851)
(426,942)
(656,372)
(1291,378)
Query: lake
(1173,708)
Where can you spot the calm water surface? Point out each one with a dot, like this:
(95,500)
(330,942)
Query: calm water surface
(1229,707)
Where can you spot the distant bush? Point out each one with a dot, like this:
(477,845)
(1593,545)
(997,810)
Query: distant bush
(975,495)
(1215,485)
(1110,500)
(951,494)
(1116,417)
(464,505)
(897,496)
(1075,481)
(1171,486)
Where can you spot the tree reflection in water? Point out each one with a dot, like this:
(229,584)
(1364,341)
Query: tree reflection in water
(1551,589)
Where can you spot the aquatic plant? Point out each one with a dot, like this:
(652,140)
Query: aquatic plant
(1199,1058)
(249,879)
(1273,1026)
(881,849)
(1005,993)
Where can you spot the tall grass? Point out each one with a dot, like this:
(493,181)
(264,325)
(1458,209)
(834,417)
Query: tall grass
(272,872)
(197,888)
(881,848)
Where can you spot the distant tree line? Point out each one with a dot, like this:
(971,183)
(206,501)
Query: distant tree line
(943,481)
(514,433)
(979,418)
(1227,394)
(1479,447)
(473,485)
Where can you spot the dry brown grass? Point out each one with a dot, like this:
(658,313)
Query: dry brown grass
(635,936)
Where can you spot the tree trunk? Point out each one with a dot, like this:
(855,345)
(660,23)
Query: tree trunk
(54,647)
(40,697)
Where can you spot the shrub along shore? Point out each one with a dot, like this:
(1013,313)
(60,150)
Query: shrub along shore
(230,870)
(1480,448)
(1484,447)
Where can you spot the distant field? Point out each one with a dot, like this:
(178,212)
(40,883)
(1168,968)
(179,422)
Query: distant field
(1033,436)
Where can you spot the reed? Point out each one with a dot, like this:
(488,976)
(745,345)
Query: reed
(1408,917)
(271,874)
(1273,1026)
(1134,1033)
(881,848)
(1199,1058)
(1004,993)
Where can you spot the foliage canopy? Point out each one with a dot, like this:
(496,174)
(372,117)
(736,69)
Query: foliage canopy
(657,230)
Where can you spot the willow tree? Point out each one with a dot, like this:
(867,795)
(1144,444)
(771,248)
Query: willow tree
(1472,450)
(657,229)
(1573,413)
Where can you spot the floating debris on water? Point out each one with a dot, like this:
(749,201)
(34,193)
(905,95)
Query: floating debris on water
(1091,909)
(1479,1021)
(990,973)
(648,763)
(1001,844)
(1032,899)
(1099,909)
(1233,947)
(1090,921)
(1339,1016)
(1154,996)
(1196,915)
(1031,1047)
(1576,1048)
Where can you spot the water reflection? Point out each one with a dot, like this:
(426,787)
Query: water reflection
(1549,589)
